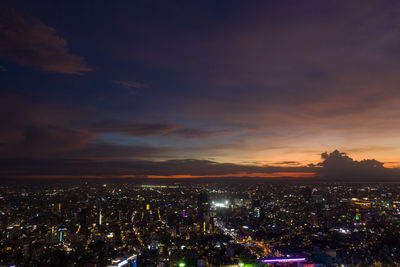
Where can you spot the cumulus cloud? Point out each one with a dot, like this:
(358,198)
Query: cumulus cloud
(121,161)
(30,42)
(337,76)
(32,137)
(124,167)
(340,166)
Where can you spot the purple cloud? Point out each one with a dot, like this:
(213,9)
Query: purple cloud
(132,84)
(29,42)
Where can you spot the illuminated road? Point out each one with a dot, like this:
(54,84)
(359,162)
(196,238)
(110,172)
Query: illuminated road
(256,247)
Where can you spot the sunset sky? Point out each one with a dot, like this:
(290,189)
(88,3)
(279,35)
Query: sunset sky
(196,88)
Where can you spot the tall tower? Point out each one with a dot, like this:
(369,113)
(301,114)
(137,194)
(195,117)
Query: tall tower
(203,207)
(100,218)
(83,221)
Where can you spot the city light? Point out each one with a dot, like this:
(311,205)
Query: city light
(122,263)
(200,133)
(283,260)
(135,235)
(220,204)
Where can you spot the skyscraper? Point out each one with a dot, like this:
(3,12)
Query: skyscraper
(203,207)
(83,221)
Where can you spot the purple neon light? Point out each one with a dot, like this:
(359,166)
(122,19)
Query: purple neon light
(283,260)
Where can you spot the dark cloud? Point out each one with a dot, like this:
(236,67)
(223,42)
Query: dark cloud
(40,140)
(134,128)
(29,42)
(118,168)
(113,151)
(191,133)
(31,129)
(149,129)
(132,84)
(340,166)
(291,163)
(293,66)
(294,76)
(36,130)
(118,161)
(209,168)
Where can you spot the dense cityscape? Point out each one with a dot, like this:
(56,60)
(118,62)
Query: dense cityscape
(207,133)
(148,223)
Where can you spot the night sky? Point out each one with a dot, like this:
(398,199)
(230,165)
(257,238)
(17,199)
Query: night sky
(199,88)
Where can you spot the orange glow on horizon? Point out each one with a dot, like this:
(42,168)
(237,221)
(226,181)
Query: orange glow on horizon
(183,176)
(243,174)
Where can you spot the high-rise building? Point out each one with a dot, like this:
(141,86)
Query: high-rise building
(4,220)
(100,218)
(257,212)
(203,206)
(83,221)
(307,193)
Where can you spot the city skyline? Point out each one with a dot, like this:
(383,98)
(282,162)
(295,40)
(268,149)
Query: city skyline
(205,133)
(184,89)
